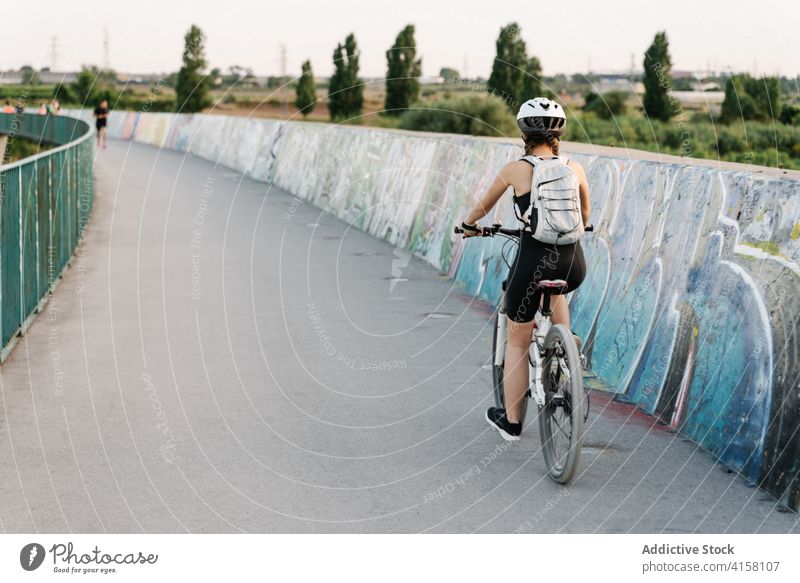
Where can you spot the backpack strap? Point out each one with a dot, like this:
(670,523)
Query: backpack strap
(533,161)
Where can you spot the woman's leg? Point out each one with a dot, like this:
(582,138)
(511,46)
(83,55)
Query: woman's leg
(560,308)
(515,369)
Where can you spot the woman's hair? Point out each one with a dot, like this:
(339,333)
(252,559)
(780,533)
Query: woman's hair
(533,140)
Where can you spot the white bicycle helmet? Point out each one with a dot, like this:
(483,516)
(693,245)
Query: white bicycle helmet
(541,116)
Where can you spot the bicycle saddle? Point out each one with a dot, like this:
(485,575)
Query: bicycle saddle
(552,284)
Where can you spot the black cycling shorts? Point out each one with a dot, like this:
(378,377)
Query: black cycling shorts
(536,261)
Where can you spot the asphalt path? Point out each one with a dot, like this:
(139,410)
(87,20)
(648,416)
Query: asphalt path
(222,357)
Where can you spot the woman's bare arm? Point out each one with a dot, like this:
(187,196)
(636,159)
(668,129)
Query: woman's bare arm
(486,203)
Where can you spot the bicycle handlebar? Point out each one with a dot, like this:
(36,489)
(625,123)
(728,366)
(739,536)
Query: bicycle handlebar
(498,229)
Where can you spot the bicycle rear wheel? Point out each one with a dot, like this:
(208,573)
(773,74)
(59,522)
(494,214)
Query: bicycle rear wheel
(562,416)
(498,370)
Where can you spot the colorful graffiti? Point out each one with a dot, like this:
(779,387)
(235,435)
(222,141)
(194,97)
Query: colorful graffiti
(690,306)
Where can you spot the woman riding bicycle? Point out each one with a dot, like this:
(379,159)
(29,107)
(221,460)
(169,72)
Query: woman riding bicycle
(542,122)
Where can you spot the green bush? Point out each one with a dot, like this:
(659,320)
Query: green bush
(608,105)
(475,115)
(763,143)
(790,114)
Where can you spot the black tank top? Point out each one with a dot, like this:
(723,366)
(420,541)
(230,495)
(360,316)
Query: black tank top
(523,201)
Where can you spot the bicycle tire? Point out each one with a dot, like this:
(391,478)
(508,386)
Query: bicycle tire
(497,373)
(564,396)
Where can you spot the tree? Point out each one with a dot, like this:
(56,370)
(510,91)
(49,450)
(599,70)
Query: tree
(29,75)
(606,106)
(657,79)
(306,97)
(449,75)
(191,86)
(345,91)
(90,86)
(509,65)
(790,114)
(216,76)
(766,93)
(402,75)
(749,98)
(737,103)
(532,80)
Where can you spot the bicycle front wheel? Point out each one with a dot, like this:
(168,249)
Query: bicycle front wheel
(562,416)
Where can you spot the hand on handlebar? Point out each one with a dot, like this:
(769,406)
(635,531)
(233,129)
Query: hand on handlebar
(470,230)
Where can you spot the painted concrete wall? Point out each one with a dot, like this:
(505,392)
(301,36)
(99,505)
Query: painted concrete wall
(690,306)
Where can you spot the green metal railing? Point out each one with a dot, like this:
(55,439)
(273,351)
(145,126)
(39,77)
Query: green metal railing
(45,201)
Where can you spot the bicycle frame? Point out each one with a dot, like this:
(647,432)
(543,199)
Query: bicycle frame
(535,386)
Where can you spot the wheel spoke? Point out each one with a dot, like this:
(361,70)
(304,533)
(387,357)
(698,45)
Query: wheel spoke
(561,429)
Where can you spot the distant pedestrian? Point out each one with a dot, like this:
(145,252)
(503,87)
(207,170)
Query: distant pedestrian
(8,107)
(101,117)
(43,109)
(19,109)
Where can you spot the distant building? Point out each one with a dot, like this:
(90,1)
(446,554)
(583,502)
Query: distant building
(699,98)
(46,77)
(10,78)
(603,83)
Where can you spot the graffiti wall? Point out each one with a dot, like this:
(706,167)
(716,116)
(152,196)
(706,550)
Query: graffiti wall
(690,307)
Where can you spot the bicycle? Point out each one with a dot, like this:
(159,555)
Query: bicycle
(555,374)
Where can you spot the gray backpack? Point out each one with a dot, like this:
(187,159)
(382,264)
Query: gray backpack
(555,202)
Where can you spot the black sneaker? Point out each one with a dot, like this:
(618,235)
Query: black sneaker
(497,419)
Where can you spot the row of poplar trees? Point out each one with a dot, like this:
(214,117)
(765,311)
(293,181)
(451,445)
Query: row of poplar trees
(515,76)
(346,90)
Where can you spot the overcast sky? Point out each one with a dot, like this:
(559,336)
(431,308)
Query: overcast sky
(147,35)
